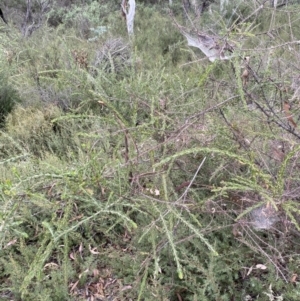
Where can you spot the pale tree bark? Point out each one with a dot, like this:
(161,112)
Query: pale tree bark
(223,4)
(128,9)
(196,7)
(273,3)
(33,21)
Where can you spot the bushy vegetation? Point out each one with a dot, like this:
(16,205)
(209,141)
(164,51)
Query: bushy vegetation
(136,169)
(8,99)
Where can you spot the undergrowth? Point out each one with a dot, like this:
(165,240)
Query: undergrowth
(138,170)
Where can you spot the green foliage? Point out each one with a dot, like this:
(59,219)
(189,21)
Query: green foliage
(40,133)
(237,11)
(136,169)
(82,18)
(157,37)
(8,97)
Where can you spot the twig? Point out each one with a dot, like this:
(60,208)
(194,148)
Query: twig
(193,179)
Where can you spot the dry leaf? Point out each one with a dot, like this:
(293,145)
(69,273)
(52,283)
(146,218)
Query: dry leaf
(74,286)
(86,271)
(96,272)
(93,250)
(249,272)
(278,154)
(12,242)
(51,265)
(80,248)
(294,278)
(236,231)
(154,191)
(126,287)
(245,76)
(261,267)
(76,218)
(288,114)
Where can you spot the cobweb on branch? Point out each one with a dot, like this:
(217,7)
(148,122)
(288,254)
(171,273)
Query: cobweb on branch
(264,217)
(209,45)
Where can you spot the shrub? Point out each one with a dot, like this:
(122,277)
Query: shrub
(113,56)
(8,98)
(34,132)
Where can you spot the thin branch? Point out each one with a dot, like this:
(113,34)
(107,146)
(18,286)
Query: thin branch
(192,181)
